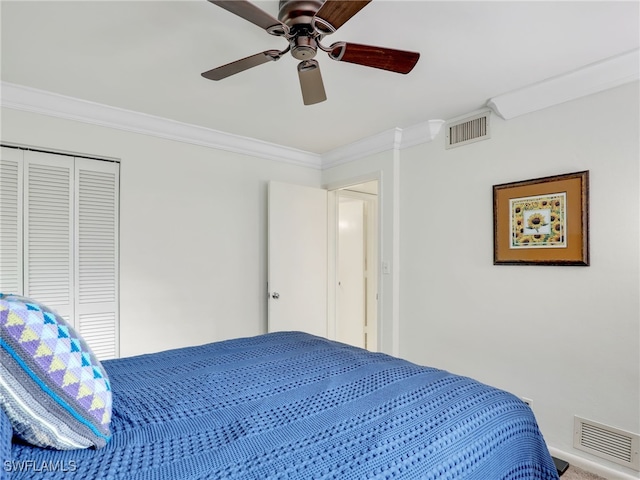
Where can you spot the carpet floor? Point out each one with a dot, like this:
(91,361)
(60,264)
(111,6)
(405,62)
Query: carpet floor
(575,473)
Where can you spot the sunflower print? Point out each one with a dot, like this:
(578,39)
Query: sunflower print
(518,226)
(536,221)
(556,239)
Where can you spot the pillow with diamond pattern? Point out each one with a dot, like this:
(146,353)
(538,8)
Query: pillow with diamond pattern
(52,387)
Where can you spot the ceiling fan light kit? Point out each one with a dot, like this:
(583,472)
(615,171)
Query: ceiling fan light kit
(304,23)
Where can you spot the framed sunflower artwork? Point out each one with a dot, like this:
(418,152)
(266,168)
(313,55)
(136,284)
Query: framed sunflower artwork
(543,221)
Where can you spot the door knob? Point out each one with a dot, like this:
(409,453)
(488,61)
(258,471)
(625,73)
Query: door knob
(275,295)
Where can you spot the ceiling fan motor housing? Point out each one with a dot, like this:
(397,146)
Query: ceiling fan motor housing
(298,16)
(303,48)
(298,12)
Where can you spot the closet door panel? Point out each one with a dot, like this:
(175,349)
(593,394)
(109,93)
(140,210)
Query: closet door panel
(11,220)
(48,230)
(96,234)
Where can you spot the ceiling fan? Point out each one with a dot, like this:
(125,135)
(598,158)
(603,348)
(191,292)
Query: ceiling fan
(304,23)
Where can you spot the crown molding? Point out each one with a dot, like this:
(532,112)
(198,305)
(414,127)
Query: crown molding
(392,139)
(19,97)
(377,143)
(28,99)
(591,79)
(594,78)
(420,133)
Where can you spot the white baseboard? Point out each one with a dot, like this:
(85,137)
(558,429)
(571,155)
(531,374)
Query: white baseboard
(593,467)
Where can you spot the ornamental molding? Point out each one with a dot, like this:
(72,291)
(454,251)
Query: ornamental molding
(591,79)
(594,78)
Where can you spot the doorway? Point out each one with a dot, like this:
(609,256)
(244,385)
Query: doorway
(356,283)
(323,279)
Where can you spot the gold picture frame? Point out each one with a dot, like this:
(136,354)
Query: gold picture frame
(543,221)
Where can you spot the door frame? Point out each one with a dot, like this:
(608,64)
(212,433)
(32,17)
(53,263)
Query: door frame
(332,249)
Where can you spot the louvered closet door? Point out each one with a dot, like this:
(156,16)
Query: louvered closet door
(11,221)
(48,230)
(96,273)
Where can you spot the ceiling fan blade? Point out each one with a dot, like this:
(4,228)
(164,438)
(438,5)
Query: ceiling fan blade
(399,61)
(311,82)
(253,14)
(335,13)
(241,65)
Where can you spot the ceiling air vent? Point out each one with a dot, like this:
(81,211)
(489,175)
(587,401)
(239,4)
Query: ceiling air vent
(607,442)
(462,131)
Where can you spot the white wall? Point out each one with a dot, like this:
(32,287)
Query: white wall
(192,230)
(566,337)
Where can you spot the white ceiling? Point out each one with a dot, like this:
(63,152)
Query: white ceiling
(147,56)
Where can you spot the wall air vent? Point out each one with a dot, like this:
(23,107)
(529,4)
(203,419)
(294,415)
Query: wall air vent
(462,131)
(607,442)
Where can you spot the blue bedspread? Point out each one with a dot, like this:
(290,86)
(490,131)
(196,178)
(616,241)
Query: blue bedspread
(291,405)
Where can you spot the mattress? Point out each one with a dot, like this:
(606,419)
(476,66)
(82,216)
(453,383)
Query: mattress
(292,405)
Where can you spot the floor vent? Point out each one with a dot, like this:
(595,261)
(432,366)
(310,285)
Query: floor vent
(467,130)
(607,442)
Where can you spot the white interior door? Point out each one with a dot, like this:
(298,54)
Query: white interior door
(356,286)
(48,231)
(297,259)
(11,231)
(350,291)
(96,254)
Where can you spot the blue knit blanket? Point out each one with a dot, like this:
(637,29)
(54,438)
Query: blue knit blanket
(291,405)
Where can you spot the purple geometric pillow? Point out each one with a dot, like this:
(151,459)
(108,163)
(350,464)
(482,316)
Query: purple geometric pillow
(52,387)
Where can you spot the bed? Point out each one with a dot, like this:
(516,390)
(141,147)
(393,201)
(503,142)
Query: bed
(293,405)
